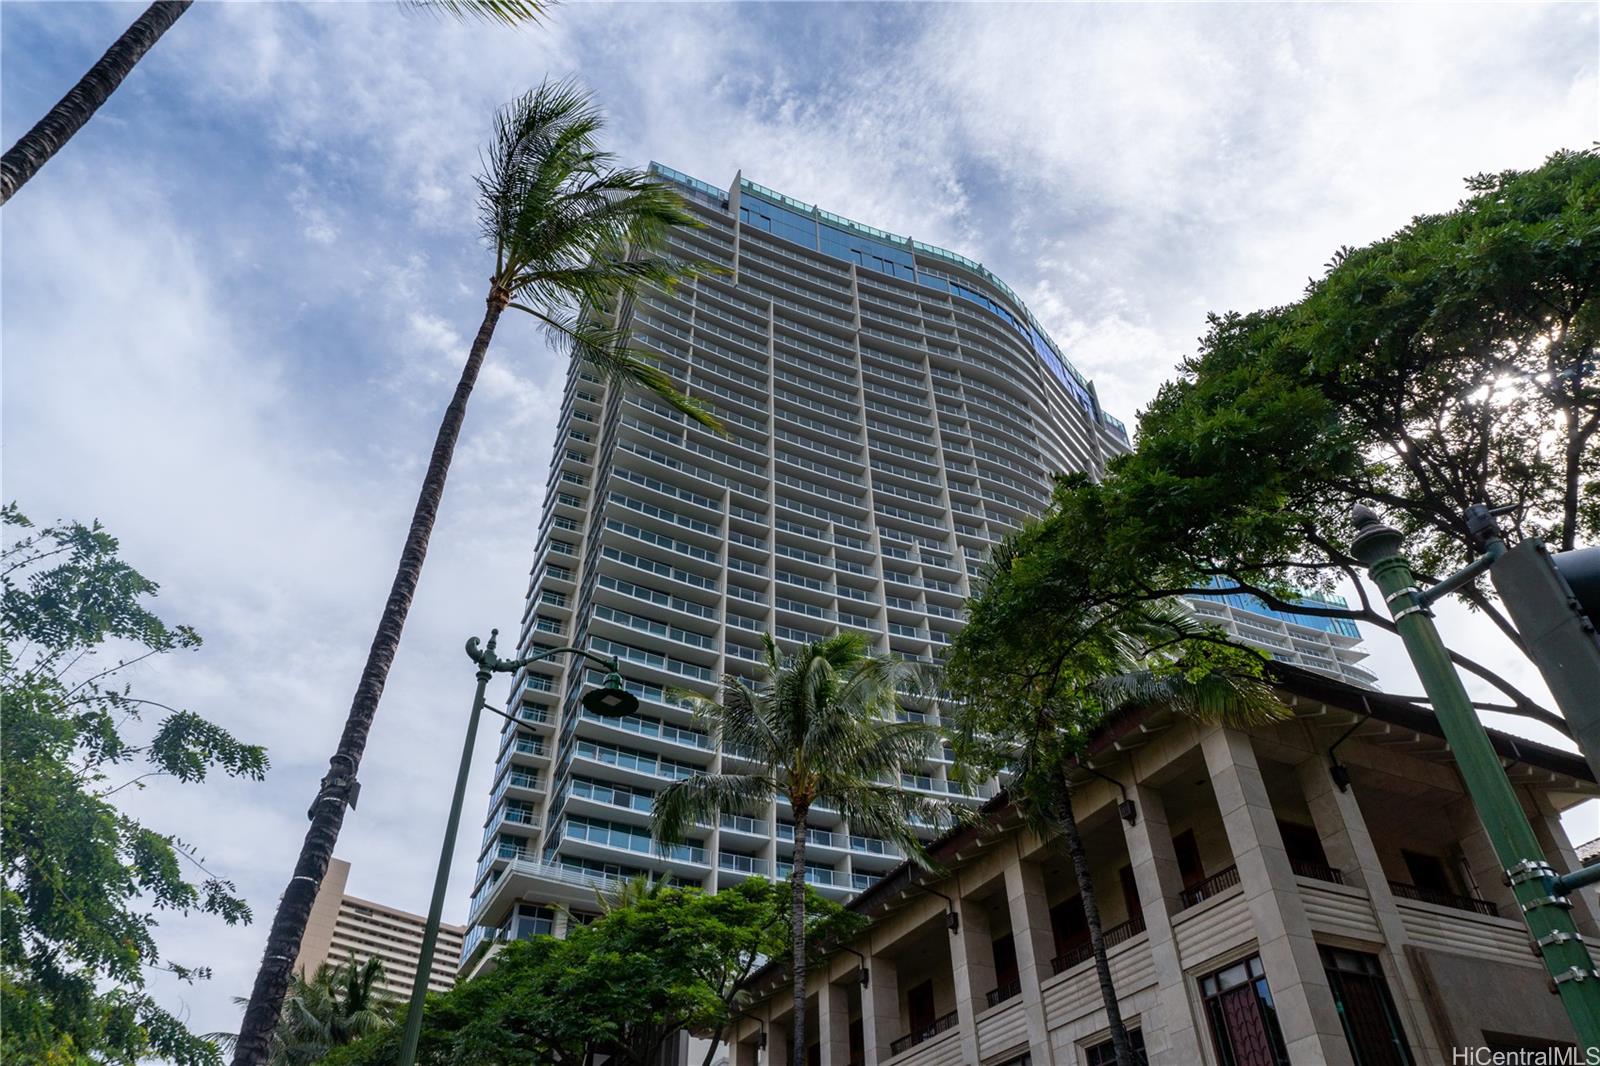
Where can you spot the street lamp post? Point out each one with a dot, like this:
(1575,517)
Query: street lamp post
(610,700)
(1541,895)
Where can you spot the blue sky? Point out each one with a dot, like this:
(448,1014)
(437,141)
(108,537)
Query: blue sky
(234,306)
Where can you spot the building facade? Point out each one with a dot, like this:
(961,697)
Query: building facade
(343,927)
(893,410)
(1258,908)
(1328,646)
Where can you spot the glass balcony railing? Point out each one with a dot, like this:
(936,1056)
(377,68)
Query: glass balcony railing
(816,875)
(747,864)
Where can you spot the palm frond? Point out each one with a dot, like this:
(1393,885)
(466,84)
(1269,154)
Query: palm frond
(505,12)
(702,798)
(574,235)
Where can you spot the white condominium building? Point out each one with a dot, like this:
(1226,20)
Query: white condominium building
(893,410)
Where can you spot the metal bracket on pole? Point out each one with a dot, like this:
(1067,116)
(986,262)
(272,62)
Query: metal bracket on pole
(1576,974)
(1550,939)
(1529,870)
(1546,901)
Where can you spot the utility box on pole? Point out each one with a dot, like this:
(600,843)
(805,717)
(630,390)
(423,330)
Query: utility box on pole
(1554,600)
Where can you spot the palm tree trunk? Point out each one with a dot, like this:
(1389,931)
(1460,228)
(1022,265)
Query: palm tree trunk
(797,937)
(36,147)
(1091,917)
(327,810)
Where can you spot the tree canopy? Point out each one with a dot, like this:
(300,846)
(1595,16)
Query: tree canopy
(660,961)
(1449,364)
(83,879)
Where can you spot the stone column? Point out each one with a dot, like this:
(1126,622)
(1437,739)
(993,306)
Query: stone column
(1348,844)
(1559,853)
(1035,944)
(972,966)
(880,1010)
(833,1023)
(1170,1038)
(1306,1014)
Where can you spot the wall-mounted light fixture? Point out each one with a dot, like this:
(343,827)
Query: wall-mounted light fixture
(862,973)
(952,920)
(1125,809)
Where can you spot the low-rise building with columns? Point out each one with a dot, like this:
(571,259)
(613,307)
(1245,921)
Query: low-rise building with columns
(1316,890)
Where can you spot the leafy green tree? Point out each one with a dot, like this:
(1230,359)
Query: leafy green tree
(573,237)
(83,879)
(1036,673)
(819,726)
(664,960)
(1452,363)
(50,134)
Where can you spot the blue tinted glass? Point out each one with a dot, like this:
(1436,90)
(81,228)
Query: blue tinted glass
(782,222)
(1340,626)
(847,245)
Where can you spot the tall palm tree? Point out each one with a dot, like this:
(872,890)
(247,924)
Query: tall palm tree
(1035,682)
(573,238)
(819,725)
(337,1006)
(50,134)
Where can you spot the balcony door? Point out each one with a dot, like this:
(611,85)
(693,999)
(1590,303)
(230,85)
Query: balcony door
(1187,852)
(919,1006)
(1366,1010)
(1070,925)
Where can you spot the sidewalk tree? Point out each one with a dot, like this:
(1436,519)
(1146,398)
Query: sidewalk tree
(622,986)
(1036,672)
(573,237)
(1452,363)
(84,880)
(820,729)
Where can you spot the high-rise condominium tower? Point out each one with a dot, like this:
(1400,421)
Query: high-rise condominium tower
(893,410)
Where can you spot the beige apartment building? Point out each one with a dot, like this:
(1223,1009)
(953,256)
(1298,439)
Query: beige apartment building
(343,927)
(1315,891)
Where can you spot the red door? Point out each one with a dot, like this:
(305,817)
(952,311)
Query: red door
(1247,1030)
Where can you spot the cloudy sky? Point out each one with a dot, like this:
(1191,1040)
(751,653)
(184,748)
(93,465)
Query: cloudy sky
(234,306)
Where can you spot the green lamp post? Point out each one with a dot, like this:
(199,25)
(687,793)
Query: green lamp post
(610,700)
(1539,892)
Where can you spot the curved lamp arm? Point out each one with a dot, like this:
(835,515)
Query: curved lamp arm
(488,660)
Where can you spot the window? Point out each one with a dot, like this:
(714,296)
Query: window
(1242,1017)
(1104,1054)
(532,921)
(1371,1024)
